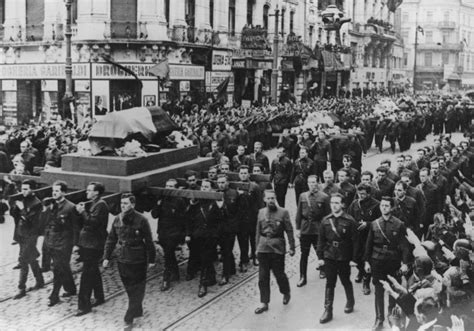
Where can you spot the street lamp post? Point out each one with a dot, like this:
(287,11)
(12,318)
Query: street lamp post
(274,82)
(68,97)
(415,51)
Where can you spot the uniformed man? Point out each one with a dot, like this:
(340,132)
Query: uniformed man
(387,164)
(432,196)
(59,236)
(354,174)
(171,225)
(406,208)
(328,186)
(202,228)
(337,251)
(239,159)
(131,231)
(322,151)
(313,206)
(273,222)
(302,168)
(27,212)
(386,253)
(364,210)
(215,152)
(280,175)
(258,157)
(234,207)
(438,179)
(347,188)
(91,246)
(257,170)
(248,224)
(367,178)
(384,184)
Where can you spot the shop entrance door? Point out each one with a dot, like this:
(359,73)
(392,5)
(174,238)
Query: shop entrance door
(124,94)
(28,100)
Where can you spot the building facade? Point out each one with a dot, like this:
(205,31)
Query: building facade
(377,49)
(444,35)
(205,41)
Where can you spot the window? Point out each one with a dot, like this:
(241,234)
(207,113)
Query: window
(405,34)
(266,10)
(282,19)
(231,26)
(320,34)
(211,13)
(429,36)
(34,20)
(250,12)
(405,17)
(468,61)
(311,33)
(445,58)
(428,59)
(405,59)
(447,15)
(429,16)
(446,37)
(167,11)
(292,21)
(189,13)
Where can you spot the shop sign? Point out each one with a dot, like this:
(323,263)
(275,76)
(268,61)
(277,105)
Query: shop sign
(238,64)
(221,61)
(177,72)
(82,86)
(43,71)
(241,53)
(215,78)
(184,86)
(254,38)
(287,65)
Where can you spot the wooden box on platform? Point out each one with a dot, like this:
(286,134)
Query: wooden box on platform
(126,166)
(125,174)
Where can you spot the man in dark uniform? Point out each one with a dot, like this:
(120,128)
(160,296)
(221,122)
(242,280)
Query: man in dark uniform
(380,131)
(354,175)
(386,253)
(364,210)
(390,174)
(258,157)
(215,153)
(273,222)
(202,228)
(322,151)
(239,159)
(171,225)
(234,207)
(59,240)
(313,206)
(384,184)
(91,246)
(248,224)
(347,188)
(302,168)
(367,178)
(132,232)
(280,175)
(328,186)
(414,193)
(438,179)
(405,208)
(27,211)
(432,196)
(337,251)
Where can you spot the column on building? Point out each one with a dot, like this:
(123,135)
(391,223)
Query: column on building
(15,20)
(221,17)
(152,23)
(177,13)
(202,15)
(240,15)
(52,18)
(358,15)
(93,20)
(258,12)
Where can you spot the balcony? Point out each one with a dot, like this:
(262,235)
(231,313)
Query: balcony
(454,47)
(447,25)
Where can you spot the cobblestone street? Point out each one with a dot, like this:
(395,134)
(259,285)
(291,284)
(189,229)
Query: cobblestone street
(226,307)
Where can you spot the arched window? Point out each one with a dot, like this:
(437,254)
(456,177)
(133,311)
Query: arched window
(167,11)
(211,13)
(190,12)
(266,10)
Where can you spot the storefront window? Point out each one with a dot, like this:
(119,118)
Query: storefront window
(9,111)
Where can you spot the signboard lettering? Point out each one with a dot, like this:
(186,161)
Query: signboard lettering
(221,60)
(39,71)
(254,38)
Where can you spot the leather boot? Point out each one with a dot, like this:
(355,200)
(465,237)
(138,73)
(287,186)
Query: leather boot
(379,308)
(349,308)
(202,291)
(301,282)
(366,285)
(165,286)
(359,277)
(329,299)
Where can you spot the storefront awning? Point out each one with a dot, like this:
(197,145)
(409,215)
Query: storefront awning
(454,76)
(331,62)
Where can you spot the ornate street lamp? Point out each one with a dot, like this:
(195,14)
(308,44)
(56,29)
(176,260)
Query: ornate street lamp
(333,20)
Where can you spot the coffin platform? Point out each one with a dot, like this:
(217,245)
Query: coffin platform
(127,174)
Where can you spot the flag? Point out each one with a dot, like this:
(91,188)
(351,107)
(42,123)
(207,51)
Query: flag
(109,60)
(393,5)
(161,70)
(222,90)
(421,30)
